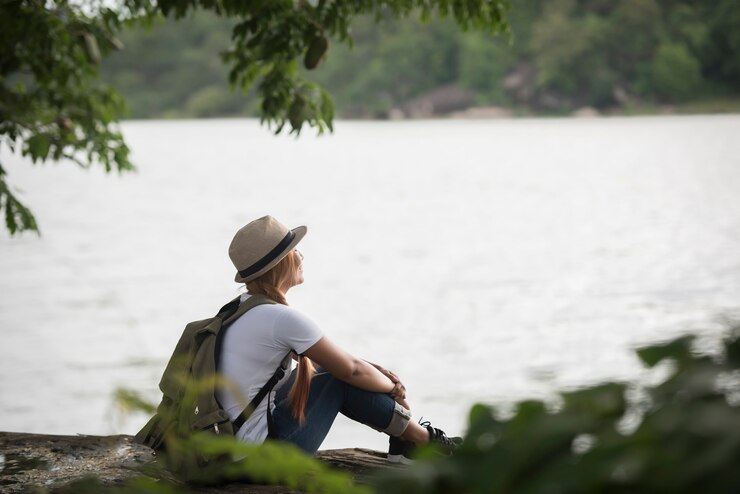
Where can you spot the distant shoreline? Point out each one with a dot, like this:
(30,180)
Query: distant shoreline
(576,115)
(725,106)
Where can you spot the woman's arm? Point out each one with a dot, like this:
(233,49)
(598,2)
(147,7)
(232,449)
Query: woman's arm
(347,368)
(399,390)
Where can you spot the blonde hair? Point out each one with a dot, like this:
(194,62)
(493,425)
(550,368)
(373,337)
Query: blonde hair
(269,285)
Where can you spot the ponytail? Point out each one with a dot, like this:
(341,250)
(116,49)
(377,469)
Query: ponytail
(298,395)
(269,285)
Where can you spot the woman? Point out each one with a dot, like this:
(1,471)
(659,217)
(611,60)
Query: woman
(305,403)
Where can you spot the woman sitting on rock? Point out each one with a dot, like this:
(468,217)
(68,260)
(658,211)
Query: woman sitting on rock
(305,403)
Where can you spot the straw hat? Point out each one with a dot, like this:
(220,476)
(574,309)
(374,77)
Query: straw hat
(259,245)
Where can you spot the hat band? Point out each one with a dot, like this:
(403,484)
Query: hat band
(269,257)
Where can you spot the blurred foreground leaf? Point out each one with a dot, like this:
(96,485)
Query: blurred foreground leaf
(679,350)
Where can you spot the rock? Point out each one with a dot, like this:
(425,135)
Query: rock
(43,460)
(520,82)
(396,114)
(586,112)
(553,101)
(483,112)
(440,101)
(621,96)
(51,462)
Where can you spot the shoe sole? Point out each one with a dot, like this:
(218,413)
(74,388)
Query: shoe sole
(400,459)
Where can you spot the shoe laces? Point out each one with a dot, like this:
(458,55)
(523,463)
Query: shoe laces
(438,435)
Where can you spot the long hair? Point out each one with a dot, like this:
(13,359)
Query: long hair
(269,285)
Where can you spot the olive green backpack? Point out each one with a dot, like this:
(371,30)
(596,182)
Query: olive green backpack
(189,404)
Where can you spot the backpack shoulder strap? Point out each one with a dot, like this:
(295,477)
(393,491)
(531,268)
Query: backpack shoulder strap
(249,409)
(230,313)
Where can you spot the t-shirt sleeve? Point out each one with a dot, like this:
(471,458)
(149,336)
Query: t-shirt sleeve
(296,330)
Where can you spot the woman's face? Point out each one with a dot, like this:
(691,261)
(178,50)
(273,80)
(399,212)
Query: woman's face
(298,272)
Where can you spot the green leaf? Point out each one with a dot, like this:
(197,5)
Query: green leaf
(678,349)
(18,218)
(91,48)
(316,52)
(297,114)
(130,400)
(732,346)
(602,401)
(327,110)
(38,147)
(528,410)
(480,413)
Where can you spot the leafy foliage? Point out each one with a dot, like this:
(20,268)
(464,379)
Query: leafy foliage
(271,38)
(194,458)
(53,106)
(173,69)
(17,216)
(680,436)
(676,73)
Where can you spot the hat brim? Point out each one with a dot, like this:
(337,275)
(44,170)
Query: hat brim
(299,232)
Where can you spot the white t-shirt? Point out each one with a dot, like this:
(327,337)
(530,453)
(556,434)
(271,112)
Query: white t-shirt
(251,351)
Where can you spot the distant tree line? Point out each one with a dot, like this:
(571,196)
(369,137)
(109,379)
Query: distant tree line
(562,55)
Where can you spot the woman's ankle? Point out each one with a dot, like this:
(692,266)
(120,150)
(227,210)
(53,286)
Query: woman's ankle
(416,434)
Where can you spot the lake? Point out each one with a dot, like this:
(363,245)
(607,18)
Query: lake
(482,261)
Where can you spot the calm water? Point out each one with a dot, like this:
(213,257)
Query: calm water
(481,261)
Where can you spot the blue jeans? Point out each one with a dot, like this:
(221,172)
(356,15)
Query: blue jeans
(327,397)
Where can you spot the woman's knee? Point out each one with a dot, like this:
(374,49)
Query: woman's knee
(399,421)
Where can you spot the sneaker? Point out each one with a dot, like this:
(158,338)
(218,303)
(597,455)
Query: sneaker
(437,436)
(400,451)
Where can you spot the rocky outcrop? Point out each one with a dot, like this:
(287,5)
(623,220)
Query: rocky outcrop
(483,113)
(437,102)
(585,112)
(51,462)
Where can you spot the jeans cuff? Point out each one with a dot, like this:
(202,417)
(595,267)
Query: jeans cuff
(399,421)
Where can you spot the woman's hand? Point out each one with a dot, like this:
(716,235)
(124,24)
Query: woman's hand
(399,390)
